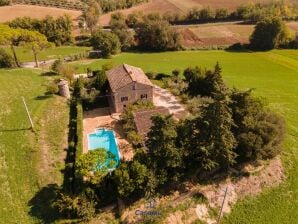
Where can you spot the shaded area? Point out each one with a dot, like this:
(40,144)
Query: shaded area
(42,204)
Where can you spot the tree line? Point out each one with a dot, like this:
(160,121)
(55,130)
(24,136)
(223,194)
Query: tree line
(56,30)
(151,34)
(250,13)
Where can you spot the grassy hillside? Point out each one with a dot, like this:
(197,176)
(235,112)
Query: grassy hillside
(274,75)
(30,162)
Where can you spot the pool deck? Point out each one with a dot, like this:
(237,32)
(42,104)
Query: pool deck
(101,118)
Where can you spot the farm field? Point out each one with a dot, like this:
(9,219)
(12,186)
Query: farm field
(274,75)
(30,162)
(25,55)
(219,34)
(8,13)
(178,6)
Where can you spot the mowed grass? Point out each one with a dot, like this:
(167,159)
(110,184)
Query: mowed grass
(274,76)
(25,55)
(23,170)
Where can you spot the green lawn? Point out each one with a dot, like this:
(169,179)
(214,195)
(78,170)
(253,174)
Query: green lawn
(274,75)
(24,177)
(25,55)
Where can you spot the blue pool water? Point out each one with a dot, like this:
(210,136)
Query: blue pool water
(105,139)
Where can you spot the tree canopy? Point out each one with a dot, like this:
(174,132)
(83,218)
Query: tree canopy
(269,33)
(107,42)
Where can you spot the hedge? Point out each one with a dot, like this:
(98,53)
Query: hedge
(79,148)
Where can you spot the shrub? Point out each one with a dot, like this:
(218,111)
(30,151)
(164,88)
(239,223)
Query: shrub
(52,88)
(56,65)
(151,75)
(6,61)
(4,2)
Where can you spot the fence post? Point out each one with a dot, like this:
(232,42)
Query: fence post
(28,114)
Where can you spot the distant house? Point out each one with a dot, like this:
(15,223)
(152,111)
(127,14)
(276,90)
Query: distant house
(128,84)
(142,119)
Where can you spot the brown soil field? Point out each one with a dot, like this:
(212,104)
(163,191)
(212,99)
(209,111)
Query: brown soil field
(166,6)
(161,6)
(208,35)
(8,13)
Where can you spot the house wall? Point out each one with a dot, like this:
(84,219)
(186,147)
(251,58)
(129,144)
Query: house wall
(133,92)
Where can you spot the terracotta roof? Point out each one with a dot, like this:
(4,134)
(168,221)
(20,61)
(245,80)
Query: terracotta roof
(124,74)
(143,120)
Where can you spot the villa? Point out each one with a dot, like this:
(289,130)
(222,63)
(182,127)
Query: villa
(128,84)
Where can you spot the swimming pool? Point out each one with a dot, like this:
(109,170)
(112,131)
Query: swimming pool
(103,138)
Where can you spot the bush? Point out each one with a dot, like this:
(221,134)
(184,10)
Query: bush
(6,61)
(4,2)
(79,150)
(52,88)
(151,75)
(56,65)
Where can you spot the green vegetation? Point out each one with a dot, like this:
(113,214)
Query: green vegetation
(56,30)
(27,179)
(91,15)
(4,2)
(52,53)
(119,27)
(112,5)
(6,61)
(155,33)
(106,42)
(273,75)
(270,33)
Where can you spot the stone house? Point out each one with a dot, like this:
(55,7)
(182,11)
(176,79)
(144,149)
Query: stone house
(128,84)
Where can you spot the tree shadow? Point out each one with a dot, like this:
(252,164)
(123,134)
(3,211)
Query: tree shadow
(41,205)
(15,130)
(50,73)
(43,97)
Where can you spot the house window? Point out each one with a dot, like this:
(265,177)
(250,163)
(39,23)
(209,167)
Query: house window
(124,98)
(143,96)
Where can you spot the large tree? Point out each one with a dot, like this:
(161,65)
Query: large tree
(259,133)
(93,164)
(164,157)
(58,31)
(34,41)
(157,35)
(11,38)
(91,14)
(107,42)
(131,178)
(269,33)
(120,28)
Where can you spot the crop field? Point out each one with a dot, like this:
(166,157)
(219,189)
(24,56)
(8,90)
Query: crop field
(8,13)
(25,55)
(30,162)
(178,6)
(274,76)
(219,34)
